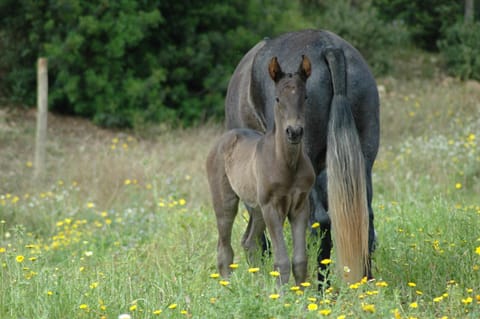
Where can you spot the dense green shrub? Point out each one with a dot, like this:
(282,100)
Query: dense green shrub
(128,62)
(94,58)
(427,20)
(124,63)
(461,50)
(359,24)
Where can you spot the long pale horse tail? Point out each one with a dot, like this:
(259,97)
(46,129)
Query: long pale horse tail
(347,188)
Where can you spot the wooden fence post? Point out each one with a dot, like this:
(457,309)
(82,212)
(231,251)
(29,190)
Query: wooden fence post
(42,112)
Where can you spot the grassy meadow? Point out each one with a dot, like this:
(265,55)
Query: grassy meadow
(122,223)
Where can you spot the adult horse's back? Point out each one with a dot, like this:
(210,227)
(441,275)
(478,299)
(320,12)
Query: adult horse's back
(249,101)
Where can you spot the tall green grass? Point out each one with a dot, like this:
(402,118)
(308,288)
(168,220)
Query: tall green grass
(124,225)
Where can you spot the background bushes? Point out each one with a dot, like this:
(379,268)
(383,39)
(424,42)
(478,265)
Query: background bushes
(129,63)
(461,49)
(426,20)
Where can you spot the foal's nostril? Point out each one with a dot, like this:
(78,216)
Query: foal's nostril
(289,131)
(294,133)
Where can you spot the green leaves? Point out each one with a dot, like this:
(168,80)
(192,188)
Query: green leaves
(125,63)
(462,51)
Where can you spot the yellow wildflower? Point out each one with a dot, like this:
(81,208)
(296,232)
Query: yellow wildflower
(354,286)
(326,261)
(396,314)
(325,312)
(368,308)
(312,307)
(274,296)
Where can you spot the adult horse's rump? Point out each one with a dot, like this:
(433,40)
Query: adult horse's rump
(250,98)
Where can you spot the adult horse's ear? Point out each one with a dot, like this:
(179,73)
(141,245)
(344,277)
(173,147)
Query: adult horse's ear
(274,69)
(305,68)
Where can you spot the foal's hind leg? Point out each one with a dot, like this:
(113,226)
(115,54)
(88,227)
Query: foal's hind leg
(254,236)
(225,204)
(225,210)
(263,239)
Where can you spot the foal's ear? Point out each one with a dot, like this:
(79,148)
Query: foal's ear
(274,69)
(305,68)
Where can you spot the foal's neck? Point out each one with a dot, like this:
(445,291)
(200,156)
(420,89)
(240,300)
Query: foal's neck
(286,153)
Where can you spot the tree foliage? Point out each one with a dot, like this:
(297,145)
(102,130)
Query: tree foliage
(427,20)
(126,62)
(129,62)
(461,49)
(357,22)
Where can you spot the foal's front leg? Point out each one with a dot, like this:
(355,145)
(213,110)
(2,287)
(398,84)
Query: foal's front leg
(274,221)
(298,222)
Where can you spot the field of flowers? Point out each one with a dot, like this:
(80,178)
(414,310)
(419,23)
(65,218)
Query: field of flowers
(121,226)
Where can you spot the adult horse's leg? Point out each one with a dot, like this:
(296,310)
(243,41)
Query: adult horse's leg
(298,223)
(254,236)
(372,236)
(324,252)
(275,228)
(322,234)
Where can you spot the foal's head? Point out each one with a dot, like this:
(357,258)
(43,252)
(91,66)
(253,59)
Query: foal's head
(290,91)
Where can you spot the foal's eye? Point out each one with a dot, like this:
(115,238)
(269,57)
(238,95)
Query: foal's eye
(306,97)
(277,99)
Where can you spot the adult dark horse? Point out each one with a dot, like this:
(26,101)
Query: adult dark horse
(353,128)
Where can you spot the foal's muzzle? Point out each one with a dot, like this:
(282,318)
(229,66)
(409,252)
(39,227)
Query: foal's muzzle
(294,134)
